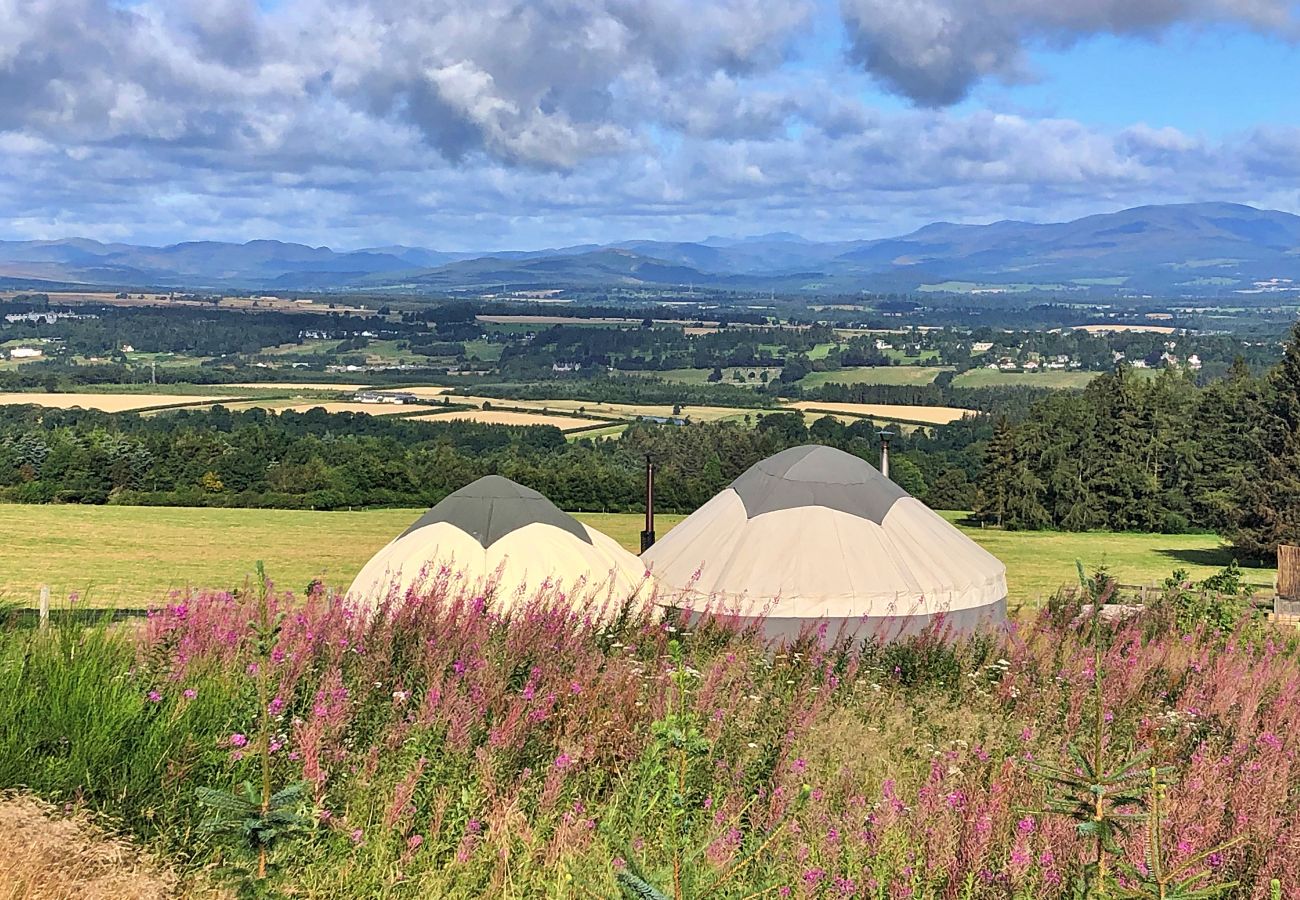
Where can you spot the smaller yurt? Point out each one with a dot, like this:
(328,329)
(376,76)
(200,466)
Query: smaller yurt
(817,535)
(507,538)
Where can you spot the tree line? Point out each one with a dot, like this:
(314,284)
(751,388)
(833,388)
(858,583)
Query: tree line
(1134,454)
(319,460)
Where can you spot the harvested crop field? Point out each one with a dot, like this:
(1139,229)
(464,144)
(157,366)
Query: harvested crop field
(299,386)
(929,415)
(102,402)
(1153,329)
(47,855)
(615,410)
(369,409)
(634,410)
(507,417)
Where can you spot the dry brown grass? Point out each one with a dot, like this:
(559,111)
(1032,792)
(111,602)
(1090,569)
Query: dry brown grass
(506,417)
(296,386)
(370,409)
(45,855)
(931,415)
(103,402)
(1097,329)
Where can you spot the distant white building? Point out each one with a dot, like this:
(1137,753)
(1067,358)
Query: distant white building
(397,397)
(1030,365)
(1193,361)
(127,348)
(883,345)
(25,353)
(981,347)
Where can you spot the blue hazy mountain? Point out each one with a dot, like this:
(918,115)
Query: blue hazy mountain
(1182,249)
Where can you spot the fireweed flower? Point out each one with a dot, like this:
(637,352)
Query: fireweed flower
(238,740)
(154,697)
(190,693)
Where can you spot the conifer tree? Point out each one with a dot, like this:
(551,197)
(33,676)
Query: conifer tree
(1270,503)
(994,480)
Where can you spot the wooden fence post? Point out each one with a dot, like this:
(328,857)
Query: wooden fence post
(45,605)
(1286,604)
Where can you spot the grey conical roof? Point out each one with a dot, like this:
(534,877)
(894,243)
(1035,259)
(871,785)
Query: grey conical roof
(813,475)
(492,507)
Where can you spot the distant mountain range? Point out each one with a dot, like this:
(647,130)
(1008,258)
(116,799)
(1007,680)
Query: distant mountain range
(1196,249)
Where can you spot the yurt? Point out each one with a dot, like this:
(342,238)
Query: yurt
(817,534)
(504,537)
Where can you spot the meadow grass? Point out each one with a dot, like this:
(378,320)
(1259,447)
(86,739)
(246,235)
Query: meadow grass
(873,375)
(463,745)
(1052,378)
(133,556)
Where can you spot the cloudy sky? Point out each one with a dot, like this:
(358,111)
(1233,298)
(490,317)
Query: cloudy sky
(478,124)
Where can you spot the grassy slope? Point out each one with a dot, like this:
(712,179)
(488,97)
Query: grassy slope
(873,375)
(131,556)
(1052,378)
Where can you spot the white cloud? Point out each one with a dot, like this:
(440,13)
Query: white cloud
(935,51)
(457,124)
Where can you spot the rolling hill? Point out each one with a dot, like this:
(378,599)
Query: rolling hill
(1185,249)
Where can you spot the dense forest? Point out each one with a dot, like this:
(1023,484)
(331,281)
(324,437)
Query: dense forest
(1130,454)
(329,461)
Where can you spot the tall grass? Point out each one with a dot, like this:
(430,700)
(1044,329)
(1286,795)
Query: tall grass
(452,751)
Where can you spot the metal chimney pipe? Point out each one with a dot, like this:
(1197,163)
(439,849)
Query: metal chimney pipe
(648,535)
(885,436)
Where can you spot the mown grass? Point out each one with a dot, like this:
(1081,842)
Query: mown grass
(873,375)
(132,556)
(1054,378)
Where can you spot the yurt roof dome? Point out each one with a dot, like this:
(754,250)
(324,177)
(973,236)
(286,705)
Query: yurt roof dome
(502,535)
(816,534)
(493,507)
(814,475)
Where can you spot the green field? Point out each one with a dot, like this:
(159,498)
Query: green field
(1052,378)
(873,375)
(133,556)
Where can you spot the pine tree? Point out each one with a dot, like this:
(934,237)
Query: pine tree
(1011,493)
(994,478)
(1270,508)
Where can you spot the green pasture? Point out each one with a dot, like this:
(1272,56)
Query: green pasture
(133,556)
(907,375)
(1051,378)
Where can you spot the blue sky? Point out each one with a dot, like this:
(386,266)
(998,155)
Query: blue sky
(501,123)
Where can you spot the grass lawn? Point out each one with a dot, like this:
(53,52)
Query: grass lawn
(873,375)
(132,556)
(1051,378)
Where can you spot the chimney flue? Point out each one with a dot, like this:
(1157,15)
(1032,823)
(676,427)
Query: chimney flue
(885,436)
(648,535)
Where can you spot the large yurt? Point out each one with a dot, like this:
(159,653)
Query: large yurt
(814,534)
(507,539)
